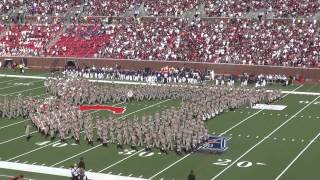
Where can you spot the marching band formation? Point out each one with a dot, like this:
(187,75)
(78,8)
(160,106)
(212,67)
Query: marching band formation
(179,128)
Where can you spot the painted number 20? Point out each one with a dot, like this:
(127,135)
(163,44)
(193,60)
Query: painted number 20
(226,162)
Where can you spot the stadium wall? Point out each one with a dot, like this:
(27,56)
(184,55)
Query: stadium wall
(310,74)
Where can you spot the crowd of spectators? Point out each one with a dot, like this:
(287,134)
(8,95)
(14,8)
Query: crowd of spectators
(280,8)
(235,41)
(292,8)
(50,7)
(110,8)
(152,7)
(27,40)
(232,8)
(39,7)
(81,41)
(170,7)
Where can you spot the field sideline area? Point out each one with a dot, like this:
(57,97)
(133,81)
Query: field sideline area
(263,145)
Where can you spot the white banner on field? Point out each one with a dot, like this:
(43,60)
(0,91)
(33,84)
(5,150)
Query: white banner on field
(269,107)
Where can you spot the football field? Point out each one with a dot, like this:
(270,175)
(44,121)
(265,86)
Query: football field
(264,144)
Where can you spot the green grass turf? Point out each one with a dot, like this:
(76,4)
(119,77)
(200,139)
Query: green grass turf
(275,152)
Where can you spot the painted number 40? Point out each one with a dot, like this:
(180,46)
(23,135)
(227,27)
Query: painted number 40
(241,164)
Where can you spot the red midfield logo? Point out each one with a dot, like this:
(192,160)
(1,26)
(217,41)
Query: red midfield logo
(115,110)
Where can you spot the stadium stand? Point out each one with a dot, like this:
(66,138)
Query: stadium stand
(280,8)
(81,41)
(237,39)
(170,7)
(109,7)
(240,41)
(27,40)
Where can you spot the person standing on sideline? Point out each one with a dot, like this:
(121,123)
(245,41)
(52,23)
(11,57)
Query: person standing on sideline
(28,136)
(74,172)
(191,176)
(81,164)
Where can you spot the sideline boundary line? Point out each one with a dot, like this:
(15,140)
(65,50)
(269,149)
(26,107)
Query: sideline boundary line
(59,171)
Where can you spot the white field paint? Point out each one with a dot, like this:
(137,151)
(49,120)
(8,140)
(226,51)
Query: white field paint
(26,90)
(7,87)
(59,171)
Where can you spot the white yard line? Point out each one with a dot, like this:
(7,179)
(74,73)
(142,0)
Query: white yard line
(19,86)
(9,125)
(240,122)
(296,158)
(101,144)
(24,90)
(76,155)
(121,160)
(4,142)
(145,108)
(266,137)
(184,157)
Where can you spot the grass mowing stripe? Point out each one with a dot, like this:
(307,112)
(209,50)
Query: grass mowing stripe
(17,86)
(100,144)
(176,162)
(266,137)
(14,124)
(24,90)
(295,159)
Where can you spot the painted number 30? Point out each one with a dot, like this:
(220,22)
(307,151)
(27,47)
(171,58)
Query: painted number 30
(226,162)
